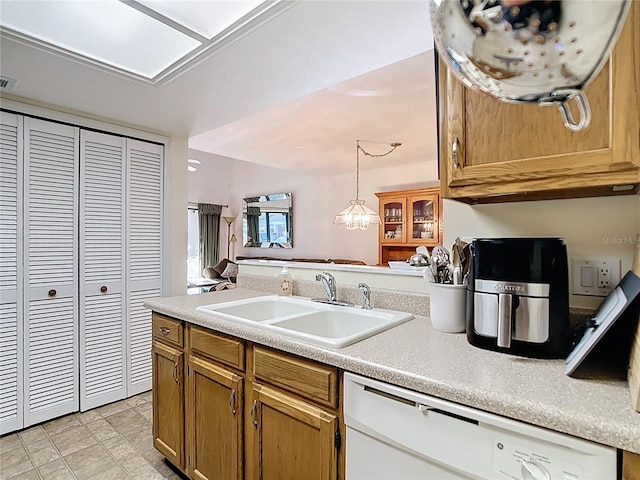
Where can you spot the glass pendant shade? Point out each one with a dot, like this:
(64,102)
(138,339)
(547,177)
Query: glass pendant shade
(357,216)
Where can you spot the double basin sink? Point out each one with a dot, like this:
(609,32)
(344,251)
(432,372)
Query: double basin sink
(324,324)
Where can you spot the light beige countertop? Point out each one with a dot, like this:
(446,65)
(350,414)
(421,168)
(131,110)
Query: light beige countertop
(415,356)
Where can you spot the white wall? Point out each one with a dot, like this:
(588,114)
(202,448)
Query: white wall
(316,200)
(594,228)
(177,184)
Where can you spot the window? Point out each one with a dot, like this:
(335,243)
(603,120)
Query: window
(274,227)
(193,244)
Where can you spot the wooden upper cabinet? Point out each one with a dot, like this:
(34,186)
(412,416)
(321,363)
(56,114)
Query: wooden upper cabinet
(508,152)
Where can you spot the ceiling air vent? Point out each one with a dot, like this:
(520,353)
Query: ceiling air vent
(7,83)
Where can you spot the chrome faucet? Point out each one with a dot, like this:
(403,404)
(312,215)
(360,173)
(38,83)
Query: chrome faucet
(329,284)
(366,295)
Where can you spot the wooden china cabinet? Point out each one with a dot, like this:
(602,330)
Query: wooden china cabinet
(410,218)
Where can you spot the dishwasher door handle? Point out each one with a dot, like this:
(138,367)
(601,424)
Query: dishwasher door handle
(424,409)
(389,396)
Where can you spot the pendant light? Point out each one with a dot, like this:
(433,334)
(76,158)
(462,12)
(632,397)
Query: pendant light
(356,216)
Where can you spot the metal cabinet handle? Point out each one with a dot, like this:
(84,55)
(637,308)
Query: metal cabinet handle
(454,153)
(103,288)
(52,293)
(232,402)
(253,414)
(165,330)
(175,372)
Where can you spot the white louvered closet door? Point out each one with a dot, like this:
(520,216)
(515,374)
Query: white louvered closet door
(10,272)
(51,270)
(144,255)
(102,267)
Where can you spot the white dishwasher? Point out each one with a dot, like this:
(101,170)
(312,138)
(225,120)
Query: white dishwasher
(397,434)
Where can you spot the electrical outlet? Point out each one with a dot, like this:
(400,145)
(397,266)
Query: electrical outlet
(594,277)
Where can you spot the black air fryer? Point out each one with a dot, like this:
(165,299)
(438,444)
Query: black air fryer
(518,296)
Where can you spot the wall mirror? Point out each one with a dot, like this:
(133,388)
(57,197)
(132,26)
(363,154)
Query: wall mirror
(266,221)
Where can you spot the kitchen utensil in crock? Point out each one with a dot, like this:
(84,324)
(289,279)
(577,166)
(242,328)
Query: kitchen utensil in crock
(543,51)
(441,254)
(418,260)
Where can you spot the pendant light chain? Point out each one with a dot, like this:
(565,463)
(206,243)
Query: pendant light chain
(358,148)
(393,145)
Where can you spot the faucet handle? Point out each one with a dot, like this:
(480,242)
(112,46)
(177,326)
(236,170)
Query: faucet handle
(366,294)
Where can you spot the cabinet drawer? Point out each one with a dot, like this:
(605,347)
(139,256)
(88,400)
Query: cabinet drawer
(167,329)
(224,349)
(306,378)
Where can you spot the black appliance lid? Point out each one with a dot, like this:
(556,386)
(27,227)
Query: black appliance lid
(530,260)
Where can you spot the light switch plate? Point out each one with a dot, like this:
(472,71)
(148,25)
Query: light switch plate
(594,277)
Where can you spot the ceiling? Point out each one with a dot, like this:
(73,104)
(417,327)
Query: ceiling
(294,92)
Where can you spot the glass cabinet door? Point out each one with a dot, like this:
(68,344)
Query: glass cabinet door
(393,219)
(423,212)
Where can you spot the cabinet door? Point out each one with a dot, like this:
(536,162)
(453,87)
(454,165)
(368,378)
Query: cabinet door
(215,419)
(524,149)
(10,272)
(393,211)
(168,402)
(102,267)
(291,439)
(144,256)
(423,212)
(51,270)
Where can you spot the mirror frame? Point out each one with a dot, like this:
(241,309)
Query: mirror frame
(280,203)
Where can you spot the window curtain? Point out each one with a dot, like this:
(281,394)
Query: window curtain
(209,223)
(253,226)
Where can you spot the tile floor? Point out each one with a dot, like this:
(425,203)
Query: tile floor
(109,442)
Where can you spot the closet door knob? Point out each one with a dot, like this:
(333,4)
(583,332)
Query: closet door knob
(103,288)
(52,293)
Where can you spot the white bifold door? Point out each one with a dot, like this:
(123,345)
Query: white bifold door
(11,207)
(102,269)
(144,255)
(38,271)
(50,270)
(80,252)
(120,264)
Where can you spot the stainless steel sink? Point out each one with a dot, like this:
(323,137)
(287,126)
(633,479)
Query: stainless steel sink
(328,325)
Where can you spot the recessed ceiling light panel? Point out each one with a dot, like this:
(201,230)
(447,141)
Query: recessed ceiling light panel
(106,31)
(206,18)
(152,41)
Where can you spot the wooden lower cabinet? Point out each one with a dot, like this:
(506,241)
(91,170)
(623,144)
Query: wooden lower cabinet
(214,413)
(168,402)
(278,418)
(630,466)
(291,439)
(215,418)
